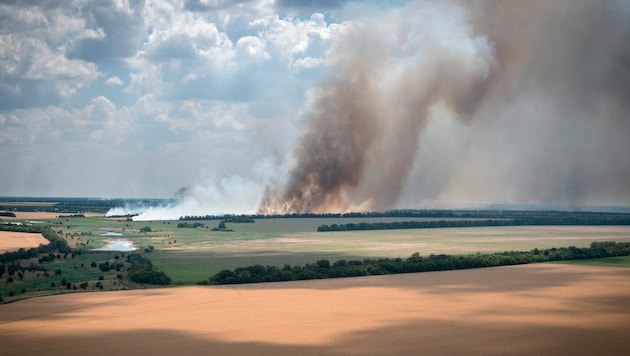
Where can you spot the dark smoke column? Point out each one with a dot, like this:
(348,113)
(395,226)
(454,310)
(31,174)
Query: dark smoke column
(545,84)
(363,132)
(332,155)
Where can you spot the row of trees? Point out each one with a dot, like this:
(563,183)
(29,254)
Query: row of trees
(187,225)
(428,213)
(238,219)
(415,263)
(532,220)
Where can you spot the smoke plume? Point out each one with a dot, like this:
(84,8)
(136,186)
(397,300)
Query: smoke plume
(522,102)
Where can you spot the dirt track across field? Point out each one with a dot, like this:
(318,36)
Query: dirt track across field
(541,309)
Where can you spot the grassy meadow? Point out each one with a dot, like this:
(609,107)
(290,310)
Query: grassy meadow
(189,255)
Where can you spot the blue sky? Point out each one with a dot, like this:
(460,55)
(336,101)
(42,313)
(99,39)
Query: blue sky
(208,99)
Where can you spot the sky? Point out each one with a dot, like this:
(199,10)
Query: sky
(317,106)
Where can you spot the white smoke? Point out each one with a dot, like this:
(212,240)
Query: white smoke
(127,210)
(233,194)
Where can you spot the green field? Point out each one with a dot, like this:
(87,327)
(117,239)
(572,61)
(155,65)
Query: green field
(73,270)
(189,255)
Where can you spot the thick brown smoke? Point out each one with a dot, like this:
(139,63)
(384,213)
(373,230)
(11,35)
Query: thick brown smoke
(561,66)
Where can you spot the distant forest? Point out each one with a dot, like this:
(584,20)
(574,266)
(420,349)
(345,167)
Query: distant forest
(535,220)
(452,218)
(520,217)
(74,205)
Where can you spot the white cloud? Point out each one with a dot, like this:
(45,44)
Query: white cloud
(34,64)
(113,81)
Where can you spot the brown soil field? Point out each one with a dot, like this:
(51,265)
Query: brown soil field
(542,309)
(13,241)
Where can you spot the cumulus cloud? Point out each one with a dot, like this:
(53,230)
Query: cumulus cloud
(34,64)
(113,81)
(213,5)
(310,4)
(122,25)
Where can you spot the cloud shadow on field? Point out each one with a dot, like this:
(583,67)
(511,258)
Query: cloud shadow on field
(535,309)
(419,336)
(61,306)
(544,309)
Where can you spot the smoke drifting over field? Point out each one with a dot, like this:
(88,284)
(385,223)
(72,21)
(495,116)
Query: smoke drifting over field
(521,102)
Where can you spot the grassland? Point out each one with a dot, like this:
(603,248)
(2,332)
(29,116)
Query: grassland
(189,255)
(66,274)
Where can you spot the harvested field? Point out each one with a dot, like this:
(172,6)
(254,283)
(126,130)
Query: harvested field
(13,241)
(542,309)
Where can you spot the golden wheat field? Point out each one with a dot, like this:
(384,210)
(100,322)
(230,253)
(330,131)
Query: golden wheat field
(544,309)
(10,241)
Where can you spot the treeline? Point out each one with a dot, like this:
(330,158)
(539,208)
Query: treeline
(74,205)
(532,221)
(353,268)
(463,214)
(141,271)
(238,219)
(57,243)
(187,225)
